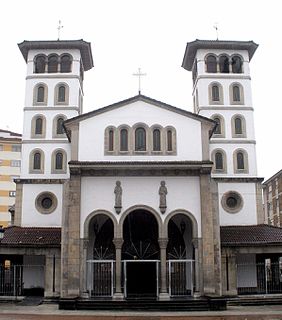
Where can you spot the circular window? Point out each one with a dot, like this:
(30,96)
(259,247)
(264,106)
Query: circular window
(46,202)
(232,202)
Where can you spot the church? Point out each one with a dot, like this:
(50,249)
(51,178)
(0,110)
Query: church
(139,198)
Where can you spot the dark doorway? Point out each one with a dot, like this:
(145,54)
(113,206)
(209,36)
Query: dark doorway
(141,279)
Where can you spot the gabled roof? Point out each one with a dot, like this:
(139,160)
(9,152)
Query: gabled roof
(192,47)
(143,98)
(31,236)
(251,235)
(83,46)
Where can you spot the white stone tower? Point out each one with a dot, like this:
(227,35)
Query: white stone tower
(54,93)
(222,91)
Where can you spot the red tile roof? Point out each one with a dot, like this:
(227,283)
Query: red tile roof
(31,236)
(261,234)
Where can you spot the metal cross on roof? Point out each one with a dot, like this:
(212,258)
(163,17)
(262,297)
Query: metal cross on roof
(139,74)
(60,27)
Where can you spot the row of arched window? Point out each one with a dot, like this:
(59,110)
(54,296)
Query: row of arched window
(240,161)
(224,63)
(38,126)
(238,126)
(58,161)
(61,94)
(140,139)
(236,93)
(53,63)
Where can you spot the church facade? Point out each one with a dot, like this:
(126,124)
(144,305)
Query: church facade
(138,198)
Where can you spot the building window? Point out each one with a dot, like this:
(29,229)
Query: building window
(52,64)
(12,193)
(238,126)
(36,161)
(241,161)
(111,140)
(16,148)
(215,93)
(232,202)
(219,160)
(223,64)
(211,64)
(40,64)
(38,126)
(46,202)
(157,140)
(59,159)
(60,128)
(123,140)
(40,94)
(169,140)
(15,163)
(61,94)
(66,62)
(140,139)
(237,64)
(236,93)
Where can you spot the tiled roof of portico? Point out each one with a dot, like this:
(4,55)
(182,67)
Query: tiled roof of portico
(251,235)
(31,236)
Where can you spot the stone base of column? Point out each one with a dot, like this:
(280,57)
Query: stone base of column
(231,293)
(118,296)
(164,296)
(196,294)
(85,295)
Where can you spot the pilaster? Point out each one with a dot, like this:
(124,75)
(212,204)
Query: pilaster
(118,242)
(163,291)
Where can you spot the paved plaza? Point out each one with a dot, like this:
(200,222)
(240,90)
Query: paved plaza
(51,311)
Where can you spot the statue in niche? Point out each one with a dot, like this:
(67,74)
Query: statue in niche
(118,197)
(163,193)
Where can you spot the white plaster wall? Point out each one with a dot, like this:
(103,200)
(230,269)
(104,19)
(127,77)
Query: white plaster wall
(48,149)
(248,214)
(33,271)
(229,149)
(97,193)
(246,270)
(91,132)
(30,216)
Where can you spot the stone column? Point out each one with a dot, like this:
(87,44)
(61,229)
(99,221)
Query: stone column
(83,267)
(163,292)
(70,266)
(197,268)
(118,245)
(48,292)
(229,274)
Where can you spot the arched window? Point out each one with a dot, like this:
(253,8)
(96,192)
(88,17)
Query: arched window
(123,140)
(62,94)
(38,126)
(140,139)
(156,140)
(218,161)
(66,62)
(37,161)
(215,93)
(240,160)
(60,128)
(224,64)
(52,64)
(40,94)
(236,64)
(238,125)
(40,64)
(111,140)
(236,93)
(59,161)
(169,140)
(211,64)
(218,127)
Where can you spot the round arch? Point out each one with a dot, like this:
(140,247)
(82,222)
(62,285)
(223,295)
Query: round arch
(187,214)
(96,213)
(139,207)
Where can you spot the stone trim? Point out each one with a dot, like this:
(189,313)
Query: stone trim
(39,199)
(243,123)
(220,89)
(236,179)
(41,141)
(53,108)
(18,204)
(31,161)
(54,127)
(235,195)
(39,181)
(35,94)
(222,126)
(53,162)
(52,76)
(224,159)
(240,108)
(246,161)
(215,141)
(234,76)
(259,205)
(241,90)
(33,127)
(56,94)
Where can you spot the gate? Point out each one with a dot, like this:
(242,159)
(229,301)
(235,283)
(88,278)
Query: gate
(100,278)
(181,277)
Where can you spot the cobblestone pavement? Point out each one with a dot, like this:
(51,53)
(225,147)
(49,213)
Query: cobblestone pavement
(51,312)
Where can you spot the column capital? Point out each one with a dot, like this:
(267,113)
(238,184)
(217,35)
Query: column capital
(118,242)
(163,243)
(85,242)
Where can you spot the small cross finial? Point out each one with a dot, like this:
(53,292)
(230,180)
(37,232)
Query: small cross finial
(216,29)
(60,27)
(139,74)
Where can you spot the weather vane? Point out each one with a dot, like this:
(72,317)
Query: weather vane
(60,27)
(139,74)
(216,29)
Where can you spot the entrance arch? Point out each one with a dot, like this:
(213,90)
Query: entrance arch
(140,254)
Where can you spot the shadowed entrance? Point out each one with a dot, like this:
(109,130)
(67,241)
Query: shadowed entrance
(140,254)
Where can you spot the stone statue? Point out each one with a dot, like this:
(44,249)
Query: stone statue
(118,197)
(163,193)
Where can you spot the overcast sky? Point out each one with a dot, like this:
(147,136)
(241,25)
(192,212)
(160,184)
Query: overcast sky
(151,34)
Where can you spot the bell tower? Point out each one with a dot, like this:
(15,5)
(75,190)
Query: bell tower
(222,92)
